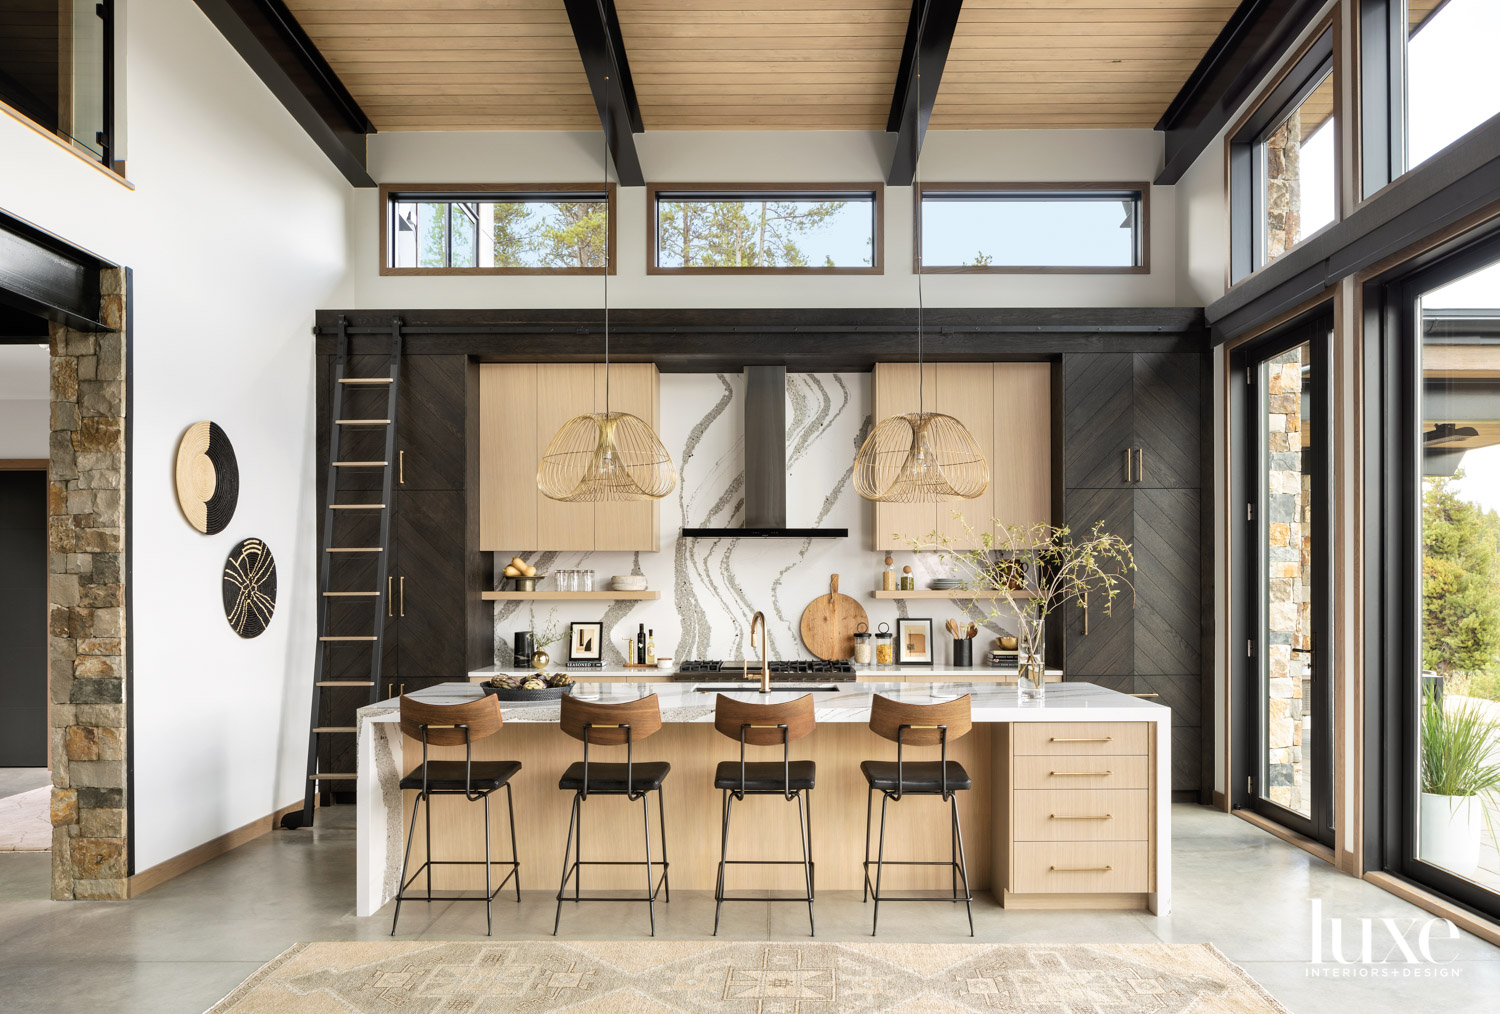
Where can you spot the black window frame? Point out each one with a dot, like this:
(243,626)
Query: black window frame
(1317,60)
(473,193)
(873,192)
(1049,191)
(1393,586)
(105,139)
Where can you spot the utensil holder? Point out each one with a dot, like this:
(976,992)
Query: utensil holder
(963,652)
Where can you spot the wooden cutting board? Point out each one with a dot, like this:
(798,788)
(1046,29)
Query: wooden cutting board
(829,622)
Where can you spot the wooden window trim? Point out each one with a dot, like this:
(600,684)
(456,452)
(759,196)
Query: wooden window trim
(750,190)
(466,189)
(1061,186)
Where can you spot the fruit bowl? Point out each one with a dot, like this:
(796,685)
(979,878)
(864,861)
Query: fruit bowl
(513,688)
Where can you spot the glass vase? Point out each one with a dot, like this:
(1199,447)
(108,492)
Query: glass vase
(1031,682)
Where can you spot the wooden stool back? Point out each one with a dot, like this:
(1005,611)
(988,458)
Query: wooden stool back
(444,722)
(607,721)
(922,720)
(733,716)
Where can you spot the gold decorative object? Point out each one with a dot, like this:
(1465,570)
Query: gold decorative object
(921,456)
(606,456)
(540,659)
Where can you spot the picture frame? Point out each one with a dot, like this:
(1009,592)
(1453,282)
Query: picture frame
(914,641)
(585,641)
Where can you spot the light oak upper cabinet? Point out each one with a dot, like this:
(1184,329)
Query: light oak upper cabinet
(521,407)
(1007,408)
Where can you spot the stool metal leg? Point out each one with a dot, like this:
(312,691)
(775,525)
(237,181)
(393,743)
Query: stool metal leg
(723,857)
(567,853)
(879,862)
(411,836)
(578,856)
(489,899)
(666,879)
(650,895)
(515,856)
(802,824)
(869,797)
(963,867)
(428,814)
(953,844)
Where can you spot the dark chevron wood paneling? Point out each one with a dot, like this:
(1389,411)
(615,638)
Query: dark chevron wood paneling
(1109,646)
(1166,420)
(434,624)
(1178,692)
(1097,420)
(431,411)
(1168,617)
(1187,758)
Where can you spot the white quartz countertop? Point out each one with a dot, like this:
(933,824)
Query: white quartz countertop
(862,673)
(681,702)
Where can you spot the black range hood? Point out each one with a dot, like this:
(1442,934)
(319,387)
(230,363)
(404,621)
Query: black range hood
(765,465)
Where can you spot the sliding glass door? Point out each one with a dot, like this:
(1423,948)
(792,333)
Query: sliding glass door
(1443,685)
(1282,698)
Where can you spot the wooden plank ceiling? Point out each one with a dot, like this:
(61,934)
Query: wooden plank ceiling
(761,64)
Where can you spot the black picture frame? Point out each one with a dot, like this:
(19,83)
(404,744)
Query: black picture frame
(585,641)
(924,633)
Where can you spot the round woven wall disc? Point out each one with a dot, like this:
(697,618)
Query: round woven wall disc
(208,478)
(250,588)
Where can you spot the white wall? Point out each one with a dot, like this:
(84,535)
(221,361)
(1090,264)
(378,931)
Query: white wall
(761,156)
(236,234)
(24,426)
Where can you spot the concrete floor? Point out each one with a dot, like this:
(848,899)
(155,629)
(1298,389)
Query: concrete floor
(181,947)
(14,781)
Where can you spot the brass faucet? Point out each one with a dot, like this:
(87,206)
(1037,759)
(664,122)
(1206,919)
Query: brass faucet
(759,619)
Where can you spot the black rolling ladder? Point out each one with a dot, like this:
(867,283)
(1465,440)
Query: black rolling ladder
(333,511)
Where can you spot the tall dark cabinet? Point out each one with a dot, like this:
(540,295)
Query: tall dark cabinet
(436,627)
(1131,459)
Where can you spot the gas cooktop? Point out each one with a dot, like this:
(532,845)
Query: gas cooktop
(779,668)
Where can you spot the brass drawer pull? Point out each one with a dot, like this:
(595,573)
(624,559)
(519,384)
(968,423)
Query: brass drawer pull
(1082,816)
(1145,695)
(1080,774)
(1083,739)
(1080,869)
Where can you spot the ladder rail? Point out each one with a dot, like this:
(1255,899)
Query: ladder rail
(316,728)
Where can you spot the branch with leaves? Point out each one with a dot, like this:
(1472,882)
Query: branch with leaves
(1036,569)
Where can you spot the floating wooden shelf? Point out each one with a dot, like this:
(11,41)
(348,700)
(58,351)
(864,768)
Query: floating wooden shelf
(943,593)
(561,596)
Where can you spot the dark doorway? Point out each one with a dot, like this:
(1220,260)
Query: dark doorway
(23,617)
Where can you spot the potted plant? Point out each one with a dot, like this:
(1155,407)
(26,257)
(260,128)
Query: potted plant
(1458,777)
(1035,569)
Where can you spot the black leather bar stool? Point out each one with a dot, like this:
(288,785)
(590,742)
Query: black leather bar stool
(454,725)
(766,725)
(612,725)
(918,725)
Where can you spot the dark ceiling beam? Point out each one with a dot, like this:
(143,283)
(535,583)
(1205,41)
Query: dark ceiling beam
(1251,42)
(44,276)
(596,29)
(929,34)
(268,38)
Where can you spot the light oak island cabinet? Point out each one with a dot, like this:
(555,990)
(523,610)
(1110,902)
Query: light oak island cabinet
(1007,407)
(521,407)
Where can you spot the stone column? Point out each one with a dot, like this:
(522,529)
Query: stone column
(1284,187)
(86,642)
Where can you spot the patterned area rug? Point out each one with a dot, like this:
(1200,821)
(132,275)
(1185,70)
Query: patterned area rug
(26,821)
(667,977)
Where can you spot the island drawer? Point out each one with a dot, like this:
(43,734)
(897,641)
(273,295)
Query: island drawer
(1080,867)
(1080,738)
(1106,771)
(1082,815)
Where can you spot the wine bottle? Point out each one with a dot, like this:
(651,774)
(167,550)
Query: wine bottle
(640,646)
(650,647)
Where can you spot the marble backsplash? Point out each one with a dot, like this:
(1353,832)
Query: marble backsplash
(712,587)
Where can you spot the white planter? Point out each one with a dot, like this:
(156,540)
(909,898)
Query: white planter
(1451,829)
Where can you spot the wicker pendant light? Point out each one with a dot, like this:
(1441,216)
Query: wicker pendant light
(606,456)
(921,456)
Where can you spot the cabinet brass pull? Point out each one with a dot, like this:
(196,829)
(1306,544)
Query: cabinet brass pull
(403,689)
(1080,869)
(1145,695)
(1085,600)
(1140,464)
(1080,774)
(1085,739)
(1128,476)
(403,594)
(401,466)
(1082,816)
(388,597)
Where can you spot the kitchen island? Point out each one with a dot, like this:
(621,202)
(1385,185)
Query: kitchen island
(1070,806)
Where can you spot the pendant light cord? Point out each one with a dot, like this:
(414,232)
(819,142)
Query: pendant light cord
(607,226)
(916,193)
